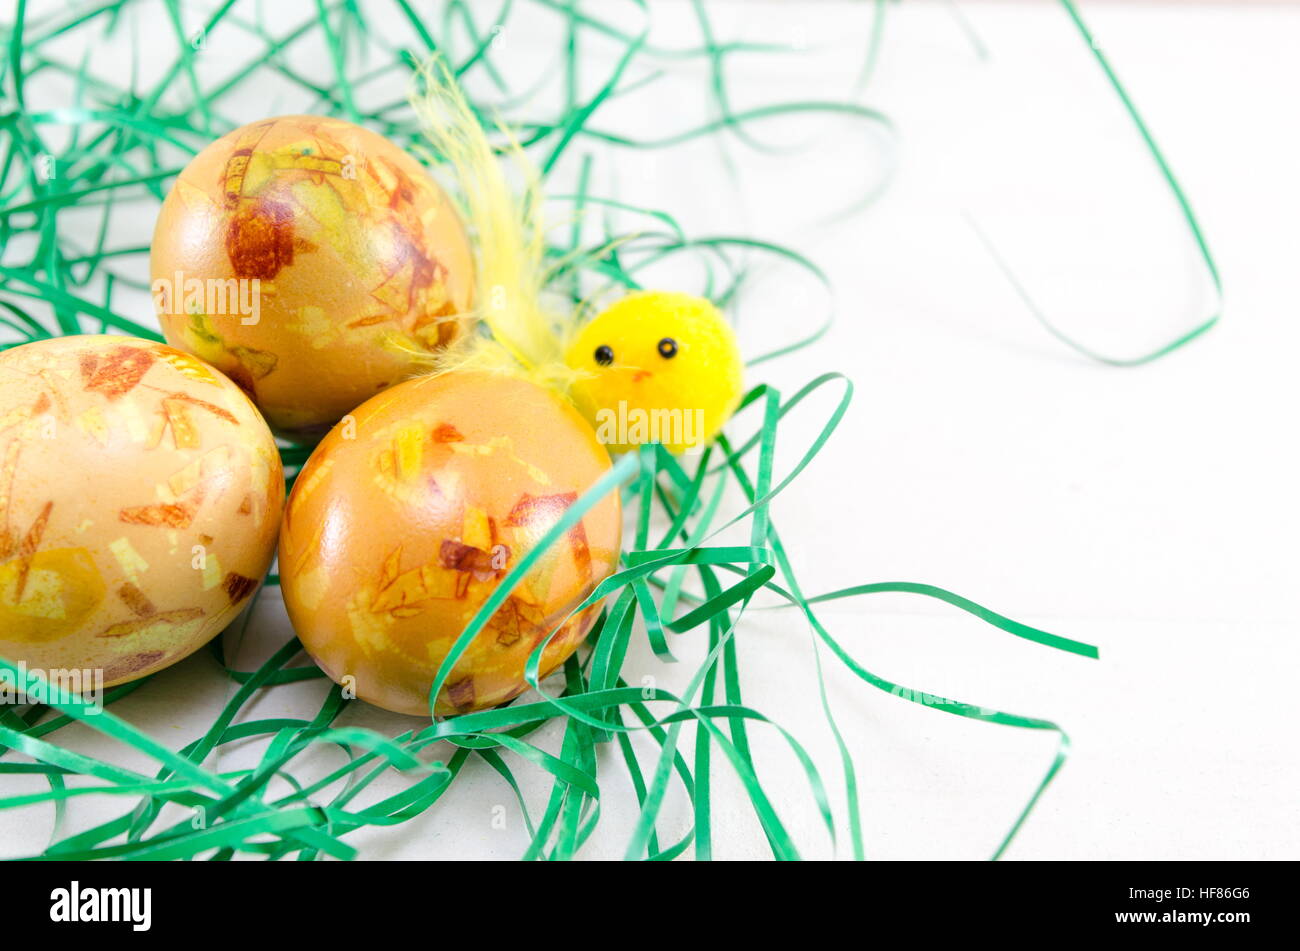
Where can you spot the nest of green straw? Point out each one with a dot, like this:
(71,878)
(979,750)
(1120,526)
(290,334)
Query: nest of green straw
(109,154)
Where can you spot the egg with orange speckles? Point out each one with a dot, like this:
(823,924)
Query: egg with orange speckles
(140,497)
(409,514)
(313,262)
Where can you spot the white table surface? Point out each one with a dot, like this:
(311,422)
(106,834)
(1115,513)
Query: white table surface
(1150,511)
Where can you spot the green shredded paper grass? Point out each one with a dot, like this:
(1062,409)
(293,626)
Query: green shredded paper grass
(71,175)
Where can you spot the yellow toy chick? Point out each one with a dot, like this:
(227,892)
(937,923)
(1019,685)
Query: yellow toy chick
(656,366)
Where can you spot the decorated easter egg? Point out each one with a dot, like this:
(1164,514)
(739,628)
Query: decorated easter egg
(313,262)
(411,511)
(657,367)
(140,497)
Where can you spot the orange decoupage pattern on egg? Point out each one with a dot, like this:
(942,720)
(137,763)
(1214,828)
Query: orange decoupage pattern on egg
(140,496)
(408,515)
(362,265)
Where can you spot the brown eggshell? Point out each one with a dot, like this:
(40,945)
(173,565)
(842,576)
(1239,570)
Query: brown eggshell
(140,496)
(358,263)
(409,513)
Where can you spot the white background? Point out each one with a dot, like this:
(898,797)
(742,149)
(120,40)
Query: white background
(1149,511)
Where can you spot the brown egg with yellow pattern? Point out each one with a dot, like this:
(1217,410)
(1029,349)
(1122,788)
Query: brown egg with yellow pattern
(140,498)
(313,262)
(409,514)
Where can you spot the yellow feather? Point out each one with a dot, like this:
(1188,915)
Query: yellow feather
(506,229)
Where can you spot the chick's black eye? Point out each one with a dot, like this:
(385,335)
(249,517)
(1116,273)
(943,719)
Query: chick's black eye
(668,348)
(604,355)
